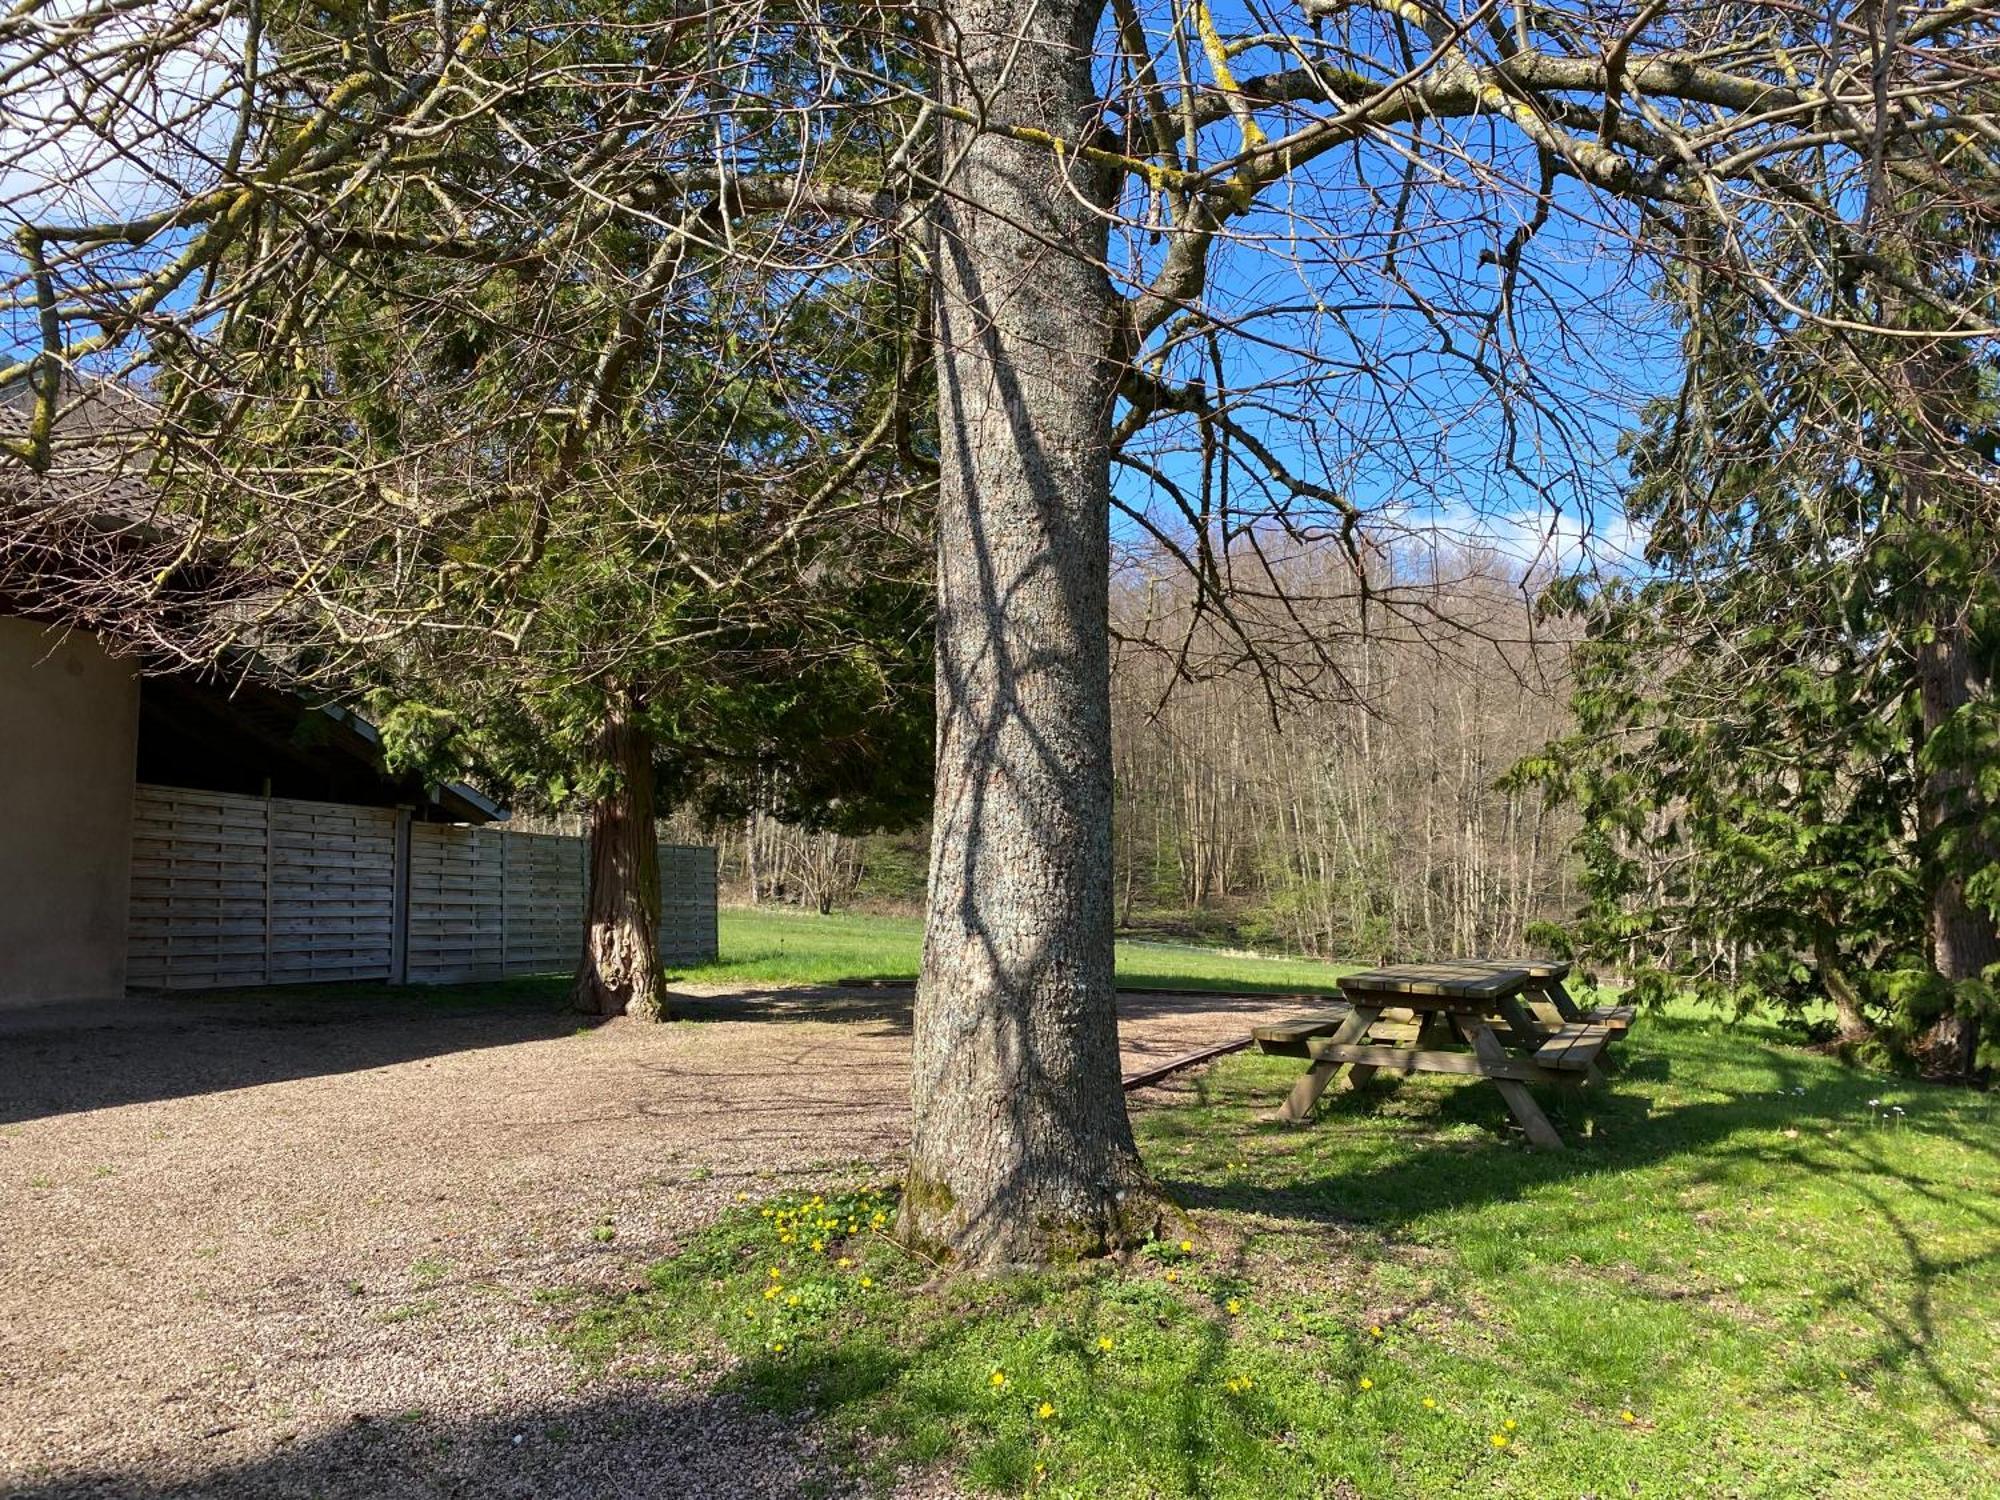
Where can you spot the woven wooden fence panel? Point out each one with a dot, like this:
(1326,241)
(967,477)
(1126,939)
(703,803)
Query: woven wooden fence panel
(230,890)
(488,902)
(544,902)
(458,904)
(246,890)
(687,903)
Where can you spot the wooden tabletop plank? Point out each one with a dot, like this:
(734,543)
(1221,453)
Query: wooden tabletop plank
(1462,981)
(1536,968)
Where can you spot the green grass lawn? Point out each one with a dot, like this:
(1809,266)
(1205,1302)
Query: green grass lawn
(1746,1278)
(774,946)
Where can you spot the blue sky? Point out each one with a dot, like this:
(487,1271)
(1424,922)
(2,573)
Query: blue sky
(1380,403)
(1326,357)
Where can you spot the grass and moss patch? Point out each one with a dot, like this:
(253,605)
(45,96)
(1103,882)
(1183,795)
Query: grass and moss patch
(1749,1276)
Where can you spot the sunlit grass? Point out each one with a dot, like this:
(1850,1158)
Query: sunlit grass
(775,946)
(1743,1280)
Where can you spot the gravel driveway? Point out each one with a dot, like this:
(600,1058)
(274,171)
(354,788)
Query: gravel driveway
(302,1245)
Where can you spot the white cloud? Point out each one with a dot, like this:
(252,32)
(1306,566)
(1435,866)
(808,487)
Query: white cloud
(1534,537)
(108,111)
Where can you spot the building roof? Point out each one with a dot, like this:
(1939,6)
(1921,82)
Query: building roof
(87,544)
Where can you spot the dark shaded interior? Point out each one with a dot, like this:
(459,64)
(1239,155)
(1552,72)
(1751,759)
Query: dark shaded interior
(252,739)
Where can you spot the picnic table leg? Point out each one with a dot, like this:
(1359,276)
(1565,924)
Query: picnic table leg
(1360,1073)
(1523,1024)
(1540,998)
(1519,1100)
(1558,997)
(1305,1093)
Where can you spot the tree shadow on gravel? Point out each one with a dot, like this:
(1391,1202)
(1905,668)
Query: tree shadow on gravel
(71,1057)
(64,1058)
(631,1445)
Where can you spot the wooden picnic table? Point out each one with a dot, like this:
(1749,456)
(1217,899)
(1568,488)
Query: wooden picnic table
(1545,985)
(1476,1003)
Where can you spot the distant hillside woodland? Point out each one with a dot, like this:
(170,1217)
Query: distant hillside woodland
(1327,789)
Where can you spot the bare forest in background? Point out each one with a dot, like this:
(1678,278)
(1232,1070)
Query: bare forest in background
(1347,811)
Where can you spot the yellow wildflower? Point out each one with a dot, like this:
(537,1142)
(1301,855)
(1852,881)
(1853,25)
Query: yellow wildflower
(1375,1329)
(793,1300)
(1510,1424)
(1235,1307)
(1045,1411)
(997,1379)
(770,1292)
(1626,1416)
(774,1273)
(1187,1247)
(1104,1344)
(818,1245)
(866,1282)
(1367,1384)
(1173,1276)
(1498,1440)
(1429,1404)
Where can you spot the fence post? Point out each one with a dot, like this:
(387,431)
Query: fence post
(399,903)
(270,880)
(505,893)
(713,904)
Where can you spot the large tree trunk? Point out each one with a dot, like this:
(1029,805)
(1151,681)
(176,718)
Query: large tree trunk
(1021,1151)
(1963,939)
(619,973)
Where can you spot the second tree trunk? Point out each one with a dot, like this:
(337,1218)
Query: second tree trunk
(619,972)
(1964,943)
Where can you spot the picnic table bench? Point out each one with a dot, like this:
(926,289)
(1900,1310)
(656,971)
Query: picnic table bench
(1475,1003)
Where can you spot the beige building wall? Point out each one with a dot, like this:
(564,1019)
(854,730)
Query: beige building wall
(69,734)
